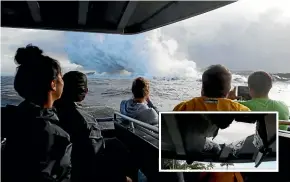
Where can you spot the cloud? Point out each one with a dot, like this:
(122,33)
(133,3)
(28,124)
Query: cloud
(51,42)
(246,35)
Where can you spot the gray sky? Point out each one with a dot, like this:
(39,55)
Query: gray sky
(246,35)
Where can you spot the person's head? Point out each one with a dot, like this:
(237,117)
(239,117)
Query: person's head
(260,84)
(140,88)
(76,86)
(38,78)
(216,82)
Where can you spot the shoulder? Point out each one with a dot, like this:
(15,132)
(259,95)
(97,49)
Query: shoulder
(238,106)
(55,130)
(183,105)
(282,104)
(180,107)
(246,103)
(69,115)
(189,104)
(149,116)
(283,108)
(126,100)
(123,102)
(84,117)
(149,112)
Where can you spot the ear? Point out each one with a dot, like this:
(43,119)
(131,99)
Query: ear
(251,92)
(53,85)
(87,90)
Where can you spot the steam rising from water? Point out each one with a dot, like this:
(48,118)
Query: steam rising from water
(150,54)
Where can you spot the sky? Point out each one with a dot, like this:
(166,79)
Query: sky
(246,35)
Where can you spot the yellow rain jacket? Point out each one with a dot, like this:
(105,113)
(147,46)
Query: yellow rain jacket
(210,104)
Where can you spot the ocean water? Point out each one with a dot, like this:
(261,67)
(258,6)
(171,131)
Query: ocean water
(164,92)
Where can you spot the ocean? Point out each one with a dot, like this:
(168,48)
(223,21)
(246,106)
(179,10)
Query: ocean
(164,92)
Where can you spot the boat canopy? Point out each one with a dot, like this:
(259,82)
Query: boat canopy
(120,17)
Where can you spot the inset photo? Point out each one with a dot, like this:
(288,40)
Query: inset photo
(218,141)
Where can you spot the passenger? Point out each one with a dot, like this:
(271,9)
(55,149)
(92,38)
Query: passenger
(91,153)
(260,84)
(140,106)
(216,85)
(34,140)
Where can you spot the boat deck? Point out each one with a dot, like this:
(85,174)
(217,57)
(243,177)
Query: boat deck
(102,112)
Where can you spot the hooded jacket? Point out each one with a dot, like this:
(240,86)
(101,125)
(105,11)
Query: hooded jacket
(140,111)
(33,140)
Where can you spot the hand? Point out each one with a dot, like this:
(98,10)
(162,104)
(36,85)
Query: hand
(128,179)
(232,94)
(148,99)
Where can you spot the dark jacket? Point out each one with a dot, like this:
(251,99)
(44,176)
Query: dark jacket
(93,158)
(87,140)
(33,140)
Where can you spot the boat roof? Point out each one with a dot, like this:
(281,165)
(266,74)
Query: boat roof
(120,17)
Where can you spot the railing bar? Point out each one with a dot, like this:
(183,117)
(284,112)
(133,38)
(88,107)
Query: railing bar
(148,132)
(145,125)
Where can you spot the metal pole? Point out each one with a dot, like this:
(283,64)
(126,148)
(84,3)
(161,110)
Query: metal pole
(145,125)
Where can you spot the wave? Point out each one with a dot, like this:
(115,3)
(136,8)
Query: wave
(282,77)
(277,77)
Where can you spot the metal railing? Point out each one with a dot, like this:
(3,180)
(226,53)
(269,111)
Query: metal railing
(139,123)
(148,132)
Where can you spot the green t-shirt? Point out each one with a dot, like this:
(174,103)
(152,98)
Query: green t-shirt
(269,105)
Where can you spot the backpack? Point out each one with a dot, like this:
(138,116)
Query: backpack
(53,170)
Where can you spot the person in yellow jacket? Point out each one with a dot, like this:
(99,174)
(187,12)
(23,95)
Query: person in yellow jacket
(216,85)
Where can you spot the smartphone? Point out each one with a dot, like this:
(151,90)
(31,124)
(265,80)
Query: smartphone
(243,93)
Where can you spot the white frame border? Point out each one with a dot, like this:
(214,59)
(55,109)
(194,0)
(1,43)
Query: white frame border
(221,112)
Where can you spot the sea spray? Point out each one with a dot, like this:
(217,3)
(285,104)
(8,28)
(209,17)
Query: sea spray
(149,54)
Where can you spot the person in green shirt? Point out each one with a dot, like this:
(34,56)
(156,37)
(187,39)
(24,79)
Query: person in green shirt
(260,84)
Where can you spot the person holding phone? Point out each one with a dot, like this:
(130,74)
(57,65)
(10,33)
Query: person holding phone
(140,106)
(260,84)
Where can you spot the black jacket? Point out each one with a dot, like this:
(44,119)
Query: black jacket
(88,143)
(93,158)
(33,140)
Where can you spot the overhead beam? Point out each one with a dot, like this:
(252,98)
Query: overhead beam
(34,10)
(130,8)
(158,11)
(83,11)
